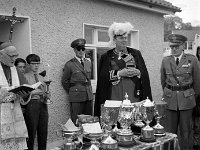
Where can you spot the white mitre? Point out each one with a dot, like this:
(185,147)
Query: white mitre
(119,29)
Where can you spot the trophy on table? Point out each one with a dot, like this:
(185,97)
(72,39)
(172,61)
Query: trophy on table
(138,117)
(69,132)
(160,109)
(147,132)
(109,116)
(94,133)
(125,118)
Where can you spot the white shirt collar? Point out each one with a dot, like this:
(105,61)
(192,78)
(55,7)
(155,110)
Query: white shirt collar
(179,57)
(79,59)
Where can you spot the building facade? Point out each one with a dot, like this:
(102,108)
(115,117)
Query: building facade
(48,27)
(193,39)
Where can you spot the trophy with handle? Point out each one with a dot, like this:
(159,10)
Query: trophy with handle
(160,110)
(147,132)
(125,118)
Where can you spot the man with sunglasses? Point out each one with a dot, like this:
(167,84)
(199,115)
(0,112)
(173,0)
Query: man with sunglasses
(76,81)
(180,80)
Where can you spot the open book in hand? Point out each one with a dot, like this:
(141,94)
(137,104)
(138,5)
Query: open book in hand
(25,87)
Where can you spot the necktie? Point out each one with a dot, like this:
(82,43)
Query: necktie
(82,63)
(36,78)
(177,61)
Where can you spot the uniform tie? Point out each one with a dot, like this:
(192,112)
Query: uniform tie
(82,63)
(177,61)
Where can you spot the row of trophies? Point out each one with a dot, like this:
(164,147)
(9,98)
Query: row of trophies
(126,114)
(136,114)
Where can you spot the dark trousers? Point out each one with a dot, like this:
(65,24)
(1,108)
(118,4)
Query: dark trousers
(196,132)
(36,117)
(78,108)
(182,120)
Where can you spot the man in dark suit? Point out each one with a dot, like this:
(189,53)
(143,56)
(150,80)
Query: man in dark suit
(180,79)
(76,81)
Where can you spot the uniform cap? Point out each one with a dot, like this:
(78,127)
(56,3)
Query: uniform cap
(78,43)
(177,39)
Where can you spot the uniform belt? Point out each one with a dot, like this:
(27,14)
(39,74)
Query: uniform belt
(179,88)
(80,83)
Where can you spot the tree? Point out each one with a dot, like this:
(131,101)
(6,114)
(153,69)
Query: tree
(172,22)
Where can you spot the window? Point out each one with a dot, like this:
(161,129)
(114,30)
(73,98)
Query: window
(189,45)
(97,43)
(21,33)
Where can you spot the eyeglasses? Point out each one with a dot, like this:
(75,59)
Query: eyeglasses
(174,46)
(79,49)
(121,37)
(13,56)
(35,63)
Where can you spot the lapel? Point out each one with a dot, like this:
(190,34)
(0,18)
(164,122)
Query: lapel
(78,64)
(182,61)
(172,61)
(15,78)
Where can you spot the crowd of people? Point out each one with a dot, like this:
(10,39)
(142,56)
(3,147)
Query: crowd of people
(121,70)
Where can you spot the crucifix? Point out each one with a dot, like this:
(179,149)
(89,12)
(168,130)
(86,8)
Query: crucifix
(13,19)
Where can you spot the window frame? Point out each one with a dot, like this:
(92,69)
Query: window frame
(22,32)
(93,81)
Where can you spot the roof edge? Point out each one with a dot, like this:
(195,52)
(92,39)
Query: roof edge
(149,7)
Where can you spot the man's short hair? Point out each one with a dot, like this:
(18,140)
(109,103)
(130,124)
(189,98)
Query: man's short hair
(18,60)
(32,58)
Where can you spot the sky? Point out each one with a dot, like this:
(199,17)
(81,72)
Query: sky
(190,10)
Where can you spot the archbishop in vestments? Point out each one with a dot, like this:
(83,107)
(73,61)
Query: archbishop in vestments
(13,131)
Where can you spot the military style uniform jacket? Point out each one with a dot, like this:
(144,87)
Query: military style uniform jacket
(76,80)
(180,83)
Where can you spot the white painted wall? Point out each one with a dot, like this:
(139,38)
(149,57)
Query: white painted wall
(55,23)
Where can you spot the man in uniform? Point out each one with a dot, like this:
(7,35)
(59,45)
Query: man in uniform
(76,81)
(180,79)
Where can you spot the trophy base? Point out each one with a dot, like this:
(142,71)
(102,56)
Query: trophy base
(48,102)
(126,143)
(160,134)
(147,140)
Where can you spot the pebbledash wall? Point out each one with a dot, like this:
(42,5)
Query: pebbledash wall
(55,23)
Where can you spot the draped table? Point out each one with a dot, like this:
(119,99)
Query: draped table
(167,142)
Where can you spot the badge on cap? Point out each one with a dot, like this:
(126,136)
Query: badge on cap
(176,38)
